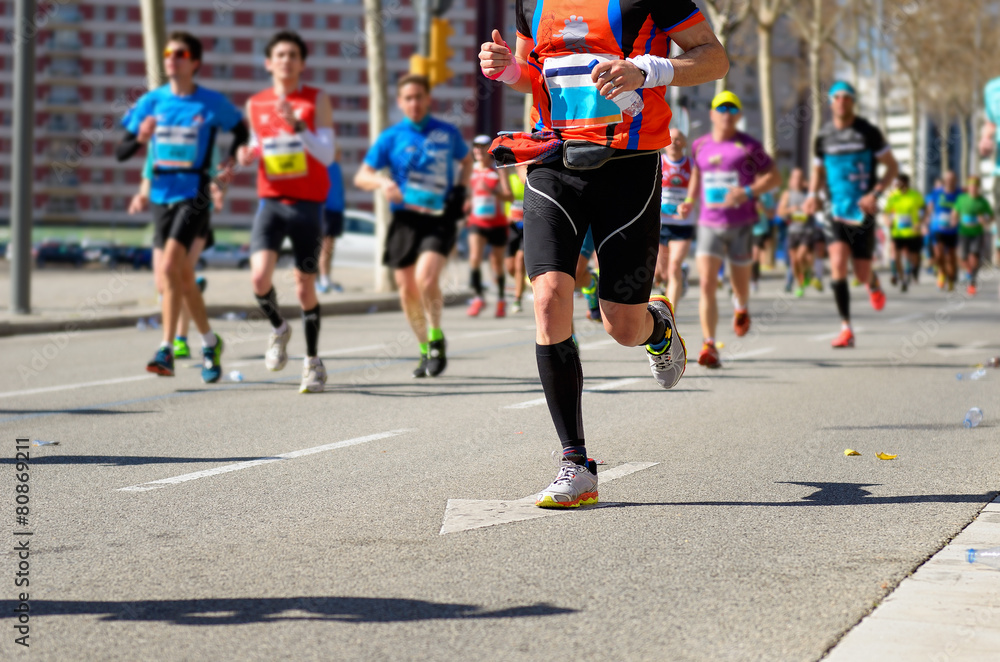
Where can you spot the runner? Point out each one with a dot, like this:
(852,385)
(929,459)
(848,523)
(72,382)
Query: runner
(609,181)
(801,230)
(676,231)
(971,214)
(206,239)
(848,150)
(762,236)
(487,223)
(179,121)
(587,278)
(905,213)
(514,263)
(426,206)
(990,144)
(333,226)
(731,171)
(293,139)
(943,235)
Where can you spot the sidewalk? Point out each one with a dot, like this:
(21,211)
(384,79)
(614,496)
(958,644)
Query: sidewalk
(94,297)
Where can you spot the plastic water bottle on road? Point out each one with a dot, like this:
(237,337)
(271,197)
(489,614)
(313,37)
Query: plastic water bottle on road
(235,376)
(990,557)
(630,103)
(973,417)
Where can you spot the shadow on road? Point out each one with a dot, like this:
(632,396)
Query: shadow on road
(234,611)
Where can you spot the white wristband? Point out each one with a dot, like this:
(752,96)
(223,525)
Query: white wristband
(659,70)
(511,74)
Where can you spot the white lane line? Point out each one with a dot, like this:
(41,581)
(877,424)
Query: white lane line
(467,514)
(907,318)
(227,468)
(749,354)
(831,336)
(69,387)
(598,343)
(606,386)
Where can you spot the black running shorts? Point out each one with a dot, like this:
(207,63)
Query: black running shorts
(496,237)
(618,201)
(333,223)
(970,245)
(946,239)
(912,244)
(299,220)
(860,238)
(515,240)
(411,234)
(182,221)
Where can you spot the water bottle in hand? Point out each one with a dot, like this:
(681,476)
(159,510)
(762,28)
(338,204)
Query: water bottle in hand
(990,557)
(973,417)
(630,103)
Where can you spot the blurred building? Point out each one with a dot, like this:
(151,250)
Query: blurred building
(90,66)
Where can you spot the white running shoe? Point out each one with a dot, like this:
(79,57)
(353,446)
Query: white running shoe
(313,375)
(575,486)
(668,364)
(276,356)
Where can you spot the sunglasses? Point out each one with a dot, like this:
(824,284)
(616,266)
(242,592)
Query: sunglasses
(727,108)
(181,53)
(841,96)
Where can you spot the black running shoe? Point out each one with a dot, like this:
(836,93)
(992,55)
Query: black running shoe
(421,369)
(436,359)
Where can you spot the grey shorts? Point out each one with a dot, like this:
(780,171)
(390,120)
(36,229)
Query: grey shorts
(301,221)
(733,244)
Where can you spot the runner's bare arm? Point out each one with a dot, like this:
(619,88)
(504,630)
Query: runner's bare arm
(685,207)
(369,179)
(988,142)
(816,179)
(466,173)
(495,56)
(783,209)
(869,202)
(504,194)
(704,59)
(321,142)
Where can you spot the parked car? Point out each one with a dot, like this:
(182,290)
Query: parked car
(94,251)
(142,258)
(54,252)
(135,256)
(225,256)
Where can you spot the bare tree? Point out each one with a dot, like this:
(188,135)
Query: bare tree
(816,22)
(766,13)
(726,16)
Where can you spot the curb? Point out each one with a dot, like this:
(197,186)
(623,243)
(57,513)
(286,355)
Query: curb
(375,303)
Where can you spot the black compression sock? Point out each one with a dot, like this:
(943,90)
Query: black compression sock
(310,320)
(561,375)
(659,333)
(843,297)
(269,306)
(755,272)
(501,284)
(476,281)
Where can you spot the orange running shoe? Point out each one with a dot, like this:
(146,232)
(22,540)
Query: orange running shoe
(709,356)
(741,323)
(845,339)
(877,298)
(475,307)
(501,308)
(971,290)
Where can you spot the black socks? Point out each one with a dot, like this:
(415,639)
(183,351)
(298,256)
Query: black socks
(659,328)
(561,375)
(501,286)
(310,320)
(269,306)
(476,281)
(843,298)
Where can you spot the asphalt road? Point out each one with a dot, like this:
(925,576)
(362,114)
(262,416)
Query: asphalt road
(752,537)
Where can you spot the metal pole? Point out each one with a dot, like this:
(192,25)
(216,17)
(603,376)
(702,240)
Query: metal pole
(154,40)
(23,127)
(378,118)
(423,8)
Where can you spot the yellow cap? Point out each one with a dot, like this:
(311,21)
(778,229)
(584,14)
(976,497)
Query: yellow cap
(726,97)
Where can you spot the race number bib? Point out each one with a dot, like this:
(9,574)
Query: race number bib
(175,147)
(904,221)
(284,157)
(799,217)
(717,186)
(484,205)
(969,220)
(425,193)
(575,100)
(517,211)
(671,199)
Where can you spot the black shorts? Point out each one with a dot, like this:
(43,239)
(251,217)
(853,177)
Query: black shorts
(760,240)
(515,240)
(298,220)
(618,201)
(970,245)
(182,221)
(496,237)
(801,237)
(860,238)
(670,233)
(946,239)
(411,234)
(912,244)
(333,223)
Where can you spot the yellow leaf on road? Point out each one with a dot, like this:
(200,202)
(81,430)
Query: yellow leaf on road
(851,452)
(885,456)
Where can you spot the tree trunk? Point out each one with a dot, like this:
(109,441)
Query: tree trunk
(722,33)
(963,148)
(944,134)
(378,118)
(815,51)
(764,39)
(914,126)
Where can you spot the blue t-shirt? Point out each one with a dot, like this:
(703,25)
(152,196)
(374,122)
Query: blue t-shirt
(184,140)
(335,198)
(942,204)
(850,156)
(421,159)
(991,97)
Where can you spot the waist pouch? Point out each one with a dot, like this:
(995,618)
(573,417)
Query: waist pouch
(583,155)
(519,148)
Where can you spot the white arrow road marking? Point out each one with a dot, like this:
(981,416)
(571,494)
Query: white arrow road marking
(606,386)
(467,514)
(164,482)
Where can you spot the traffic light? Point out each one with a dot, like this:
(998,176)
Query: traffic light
(440,53)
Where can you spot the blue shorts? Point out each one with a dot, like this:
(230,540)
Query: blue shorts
(587,250)
(670,233)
